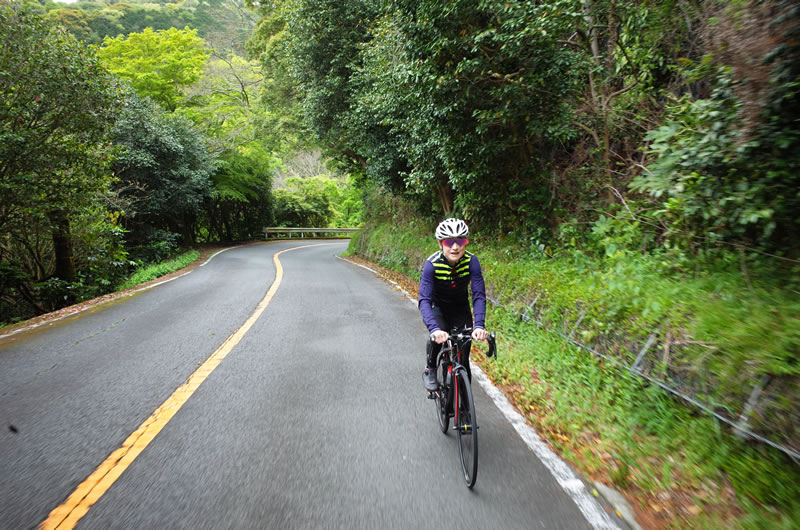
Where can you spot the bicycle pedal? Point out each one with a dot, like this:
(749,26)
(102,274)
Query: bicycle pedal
(465,429)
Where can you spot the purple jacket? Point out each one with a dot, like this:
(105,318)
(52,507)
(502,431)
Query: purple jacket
(445,287)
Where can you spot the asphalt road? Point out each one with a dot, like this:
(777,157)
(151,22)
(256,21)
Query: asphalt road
(316,419)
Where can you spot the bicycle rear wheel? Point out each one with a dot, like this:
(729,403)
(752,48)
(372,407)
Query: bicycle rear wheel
(467,428)
(442,395)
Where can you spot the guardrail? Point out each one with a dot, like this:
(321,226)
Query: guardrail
(303,232)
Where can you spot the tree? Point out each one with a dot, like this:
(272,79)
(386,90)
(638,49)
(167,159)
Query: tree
(724,164)
(157,64)
(436,99)
(223,102)
(164,170)
(306,202)
(241,202)
(75,20)
(308,49)
(57,105)
(225,24)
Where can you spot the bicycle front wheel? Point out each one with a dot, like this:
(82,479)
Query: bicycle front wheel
(467,428)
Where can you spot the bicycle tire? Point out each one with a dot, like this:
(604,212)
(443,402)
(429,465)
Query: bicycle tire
(467,429)
(442,396)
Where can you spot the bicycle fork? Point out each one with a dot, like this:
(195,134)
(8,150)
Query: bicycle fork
(460,424)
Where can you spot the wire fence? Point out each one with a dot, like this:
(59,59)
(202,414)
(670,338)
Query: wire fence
(740,426)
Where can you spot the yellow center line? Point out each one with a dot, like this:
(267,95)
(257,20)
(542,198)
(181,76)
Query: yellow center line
(90,490)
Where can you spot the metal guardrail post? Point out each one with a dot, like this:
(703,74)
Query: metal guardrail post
(578,323)
(744,419)
(635,366)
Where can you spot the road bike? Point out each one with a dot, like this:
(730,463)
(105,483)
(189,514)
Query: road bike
(453,397)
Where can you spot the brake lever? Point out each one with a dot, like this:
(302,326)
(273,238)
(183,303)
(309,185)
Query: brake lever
(492,346)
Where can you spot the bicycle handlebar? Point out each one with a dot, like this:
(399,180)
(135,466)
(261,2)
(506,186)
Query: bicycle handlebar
(466,333)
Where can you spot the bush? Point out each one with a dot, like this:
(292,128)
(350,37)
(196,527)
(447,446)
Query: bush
(151,272)
(158,246)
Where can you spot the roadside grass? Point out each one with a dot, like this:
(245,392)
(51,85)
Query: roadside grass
(156,270)
(717,331)
(680,468)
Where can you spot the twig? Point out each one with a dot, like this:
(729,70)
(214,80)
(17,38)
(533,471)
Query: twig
(625,204)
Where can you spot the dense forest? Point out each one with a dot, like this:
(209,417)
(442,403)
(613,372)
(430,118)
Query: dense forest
(528,116)
(650,149)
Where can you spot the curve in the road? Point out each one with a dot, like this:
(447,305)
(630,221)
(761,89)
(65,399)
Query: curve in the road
(90,490)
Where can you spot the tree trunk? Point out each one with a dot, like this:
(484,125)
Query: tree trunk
(445,197)
(62,246)
(187,230)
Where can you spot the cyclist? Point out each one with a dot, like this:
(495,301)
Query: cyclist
(443,296)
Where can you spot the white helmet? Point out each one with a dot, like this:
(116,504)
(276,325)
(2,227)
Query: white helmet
(451,228)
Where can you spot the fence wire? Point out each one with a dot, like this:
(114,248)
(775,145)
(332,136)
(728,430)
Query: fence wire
(739,428)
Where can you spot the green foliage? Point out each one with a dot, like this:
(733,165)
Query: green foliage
(517,115)
(164,171)
(482,88)
(724,168)
(226,23)
(28,287)
(428,99)
(222,103)
(157,64)
(711,182)
(169,187)
(348,205)
(154,245)
(240,204)
(269,46)
(151,272)
(100,251)
(318,201)
(306,202)
(57,106)
(323,39)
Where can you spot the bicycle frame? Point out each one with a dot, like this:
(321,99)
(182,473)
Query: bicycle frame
(453,351)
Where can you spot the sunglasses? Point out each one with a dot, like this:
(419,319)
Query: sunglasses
(452,241)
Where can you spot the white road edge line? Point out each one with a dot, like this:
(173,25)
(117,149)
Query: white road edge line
(181,275)
(591,509)
(564,475)
(217,252)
